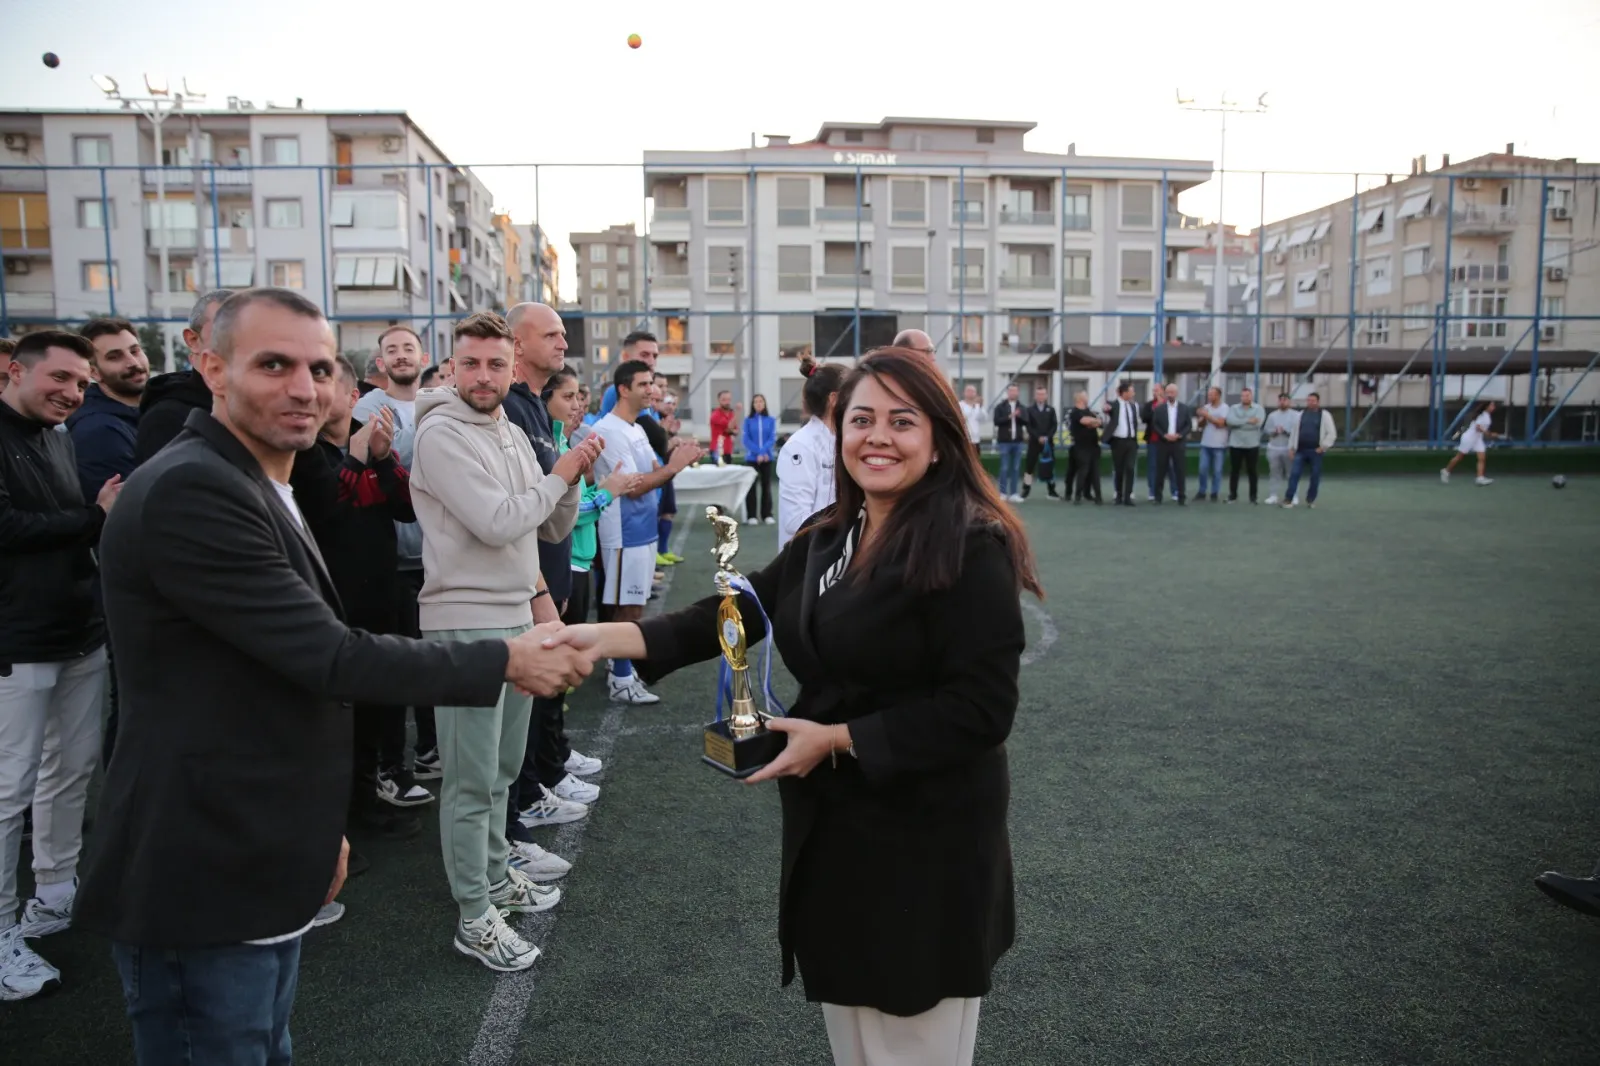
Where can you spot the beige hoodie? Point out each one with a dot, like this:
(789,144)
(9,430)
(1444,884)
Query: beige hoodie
(483,504)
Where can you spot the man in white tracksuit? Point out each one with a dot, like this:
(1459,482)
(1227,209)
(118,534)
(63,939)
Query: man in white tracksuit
(1312,436)
(1279,431)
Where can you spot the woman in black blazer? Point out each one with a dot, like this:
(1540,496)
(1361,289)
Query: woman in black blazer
(897,611)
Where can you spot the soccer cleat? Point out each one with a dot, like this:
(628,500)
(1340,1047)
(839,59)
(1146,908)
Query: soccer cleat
(674,556)
(662,560)
(1444,477)
(328,914)
(426,766)
(494,943)
(1484,481)
(536,862)
(41,919)
(629,690)
(574,790)
(397,787)
(520,893)
(583,765)
(23,974)
(551,809)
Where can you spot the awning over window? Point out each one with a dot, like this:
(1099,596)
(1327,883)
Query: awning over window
(1416,206)
(1275,287)
(1322,229)
(1306,284)
(1300,236)
(1371,218)
(369,272)
(1271,244)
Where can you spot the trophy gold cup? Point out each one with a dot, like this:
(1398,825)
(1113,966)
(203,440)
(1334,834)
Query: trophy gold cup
(739,743)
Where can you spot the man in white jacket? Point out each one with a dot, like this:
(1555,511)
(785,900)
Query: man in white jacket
(1312,435)
(484,504)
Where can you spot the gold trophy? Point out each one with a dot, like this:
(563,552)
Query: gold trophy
(739,744)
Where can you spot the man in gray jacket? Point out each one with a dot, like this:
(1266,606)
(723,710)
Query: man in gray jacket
(1280,429)
(1245,421)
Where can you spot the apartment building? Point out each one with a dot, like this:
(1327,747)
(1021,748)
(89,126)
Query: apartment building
(541,266)
(356,209)
(1515,235)
(951,226)
(610,288)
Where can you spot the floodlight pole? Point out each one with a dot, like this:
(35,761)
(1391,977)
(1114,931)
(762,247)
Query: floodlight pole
(1219,281)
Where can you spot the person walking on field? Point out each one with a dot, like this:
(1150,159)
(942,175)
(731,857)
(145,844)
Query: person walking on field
(1473,440)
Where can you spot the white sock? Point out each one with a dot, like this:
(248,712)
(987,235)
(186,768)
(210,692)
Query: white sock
(54,895)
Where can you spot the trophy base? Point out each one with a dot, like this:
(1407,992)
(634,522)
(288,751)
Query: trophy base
(740,757)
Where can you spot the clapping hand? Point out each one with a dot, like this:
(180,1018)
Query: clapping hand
(620,483)
(381,446)
(684,455)
(576,463)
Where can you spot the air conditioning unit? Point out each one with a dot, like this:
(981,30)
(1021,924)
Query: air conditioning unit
(1469,183)
(683,249)
(17,142)
(392,144)
(1555,274)
(18,266)
(1560,214)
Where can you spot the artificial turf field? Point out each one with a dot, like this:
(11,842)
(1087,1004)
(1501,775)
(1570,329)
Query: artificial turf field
(1280,782)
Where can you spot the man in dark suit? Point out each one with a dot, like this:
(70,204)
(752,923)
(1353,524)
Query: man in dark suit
(1122,429)
(1042,426)
(1172,423)
(221,827)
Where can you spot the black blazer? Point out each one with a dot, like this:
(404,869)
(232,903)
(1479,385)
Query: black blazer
(1002,422)
(1042,422)
(896,890)
(1183,425)
(225,799)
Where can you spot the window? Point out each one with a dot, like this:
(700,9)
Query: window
(622,255)
(422,227)
(1416,261)
(598,276)
(284,214)
(1138,206)
(624,279)
(368,272)
(287,274)
(598,253)
(1075,207)
(966,268)
(908,201)
(1275,332)
(601,328)
(1560,201)
(477,248)
(794,201)
(986,136)
(725,200)
(1325,328)
(908,268)
(1138,270)
(1415,316)
(92,213)
(237,273)
(93,151)
(1377,275)
(1028,334)
(967,198)
(794,268)
(1302,329)
(1134,329)
(1372,220)
(1378,327)
(1557,253)
(852,137)
(1075,274)
(1554,308)
(1477,313)
(180,277)
(96,278)
(282,151)
(443,301)
(971,340)
(598,302)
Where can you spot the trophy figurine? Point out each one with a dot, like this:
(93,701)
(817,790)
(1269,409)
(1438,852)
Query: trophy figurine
(740,742)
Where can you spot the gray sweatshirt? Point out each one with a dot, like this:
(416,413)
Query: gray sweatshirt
(1281,426)
(408,535)
(1246,435)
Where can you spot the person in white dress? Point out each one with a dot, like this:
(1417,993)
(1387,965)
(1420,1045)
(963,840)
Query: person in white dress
(1474,441)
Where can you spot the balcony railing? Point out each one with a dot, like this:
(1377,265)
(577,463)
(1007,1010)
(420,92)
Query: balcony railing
(794,282)
(844,281)
(1035,282)
(665,280)
(908,216)
(1481,272)
(670,214)
(185,176)
(843,214)
(969,283)
(1187,285)
(1470,217)
(794,216)
(23,303)
(176,237)
(908,282)
(1075,222)
(1011,217)
(1077,287)
(25,240)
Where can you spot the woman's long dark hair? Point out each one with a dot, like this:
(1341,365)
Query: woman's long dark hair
(929,523)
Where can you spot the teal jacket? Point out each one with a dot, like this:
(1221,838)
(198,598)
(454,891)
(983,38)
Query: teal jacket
(585,538)
(1245,435)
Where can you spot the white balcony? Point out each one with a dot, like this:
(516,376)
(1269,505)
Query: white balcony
(1470,218)
(794,282)
(844,214)
(1013,217)
(844,281)
(669,282)
(30,303)
(184,177)
(1028,281)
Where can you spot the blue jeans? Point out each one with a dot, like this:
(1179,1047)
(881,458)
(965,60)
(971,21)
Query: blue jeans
(225,1006)
(1303,458)
(1011,468)
(1211,470)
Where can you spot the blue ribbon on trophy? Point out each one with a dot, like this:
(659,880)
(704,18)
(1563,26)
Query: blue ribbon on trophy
(725,682)
(738,742)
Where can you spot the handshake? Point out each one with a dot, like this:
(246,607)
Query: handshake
(543,664)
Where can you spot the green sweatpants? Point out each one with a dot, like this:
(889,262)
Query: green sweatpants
(481,750)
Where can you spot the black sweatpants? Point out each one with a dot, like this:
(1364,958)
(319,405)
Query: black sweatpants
(763,487)
(1086,461)
(1250,460)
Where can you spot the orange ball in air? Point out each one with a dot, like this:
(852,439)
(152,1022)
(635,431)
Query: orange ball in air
(634,40)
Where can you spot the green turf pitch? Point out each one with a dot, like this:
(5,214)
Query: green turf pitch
(1279,788)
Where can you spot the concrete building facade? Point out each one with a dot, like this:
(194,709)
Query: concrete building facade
(610,270)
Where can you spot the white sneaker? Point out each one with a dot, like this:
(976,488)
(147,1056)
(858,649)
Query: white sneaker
(1272,501)
(1291,503)
(519,892)
(23,974)
(552,810)
(41,919)
(769,520)
(536,862)
(629,690)
(1484,481)
(583,765)
(494,943)
(575,790)
(1444,477)
(752,521)
(328,914)
(402,792)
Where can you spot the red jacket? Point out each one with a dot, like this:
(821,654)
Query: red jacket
(722,426)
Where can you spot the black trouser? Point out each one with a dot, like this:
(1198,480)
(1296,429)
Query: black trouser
(764,484)
(108,737)
(1171,457)
(1086,460)
(576,611)
(1124,454)
(1030,459)
(411,626)
(1250,460)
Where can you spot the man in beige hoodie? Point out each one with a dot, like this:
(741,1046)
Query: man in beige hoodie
(483,504)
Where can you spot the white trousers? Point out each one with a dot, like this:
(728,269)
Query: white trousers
(49,743)
(942,1036)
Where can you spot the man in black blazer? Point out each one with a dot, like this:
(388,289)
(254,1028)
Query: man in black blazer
(1171,423)
(223,810)
(1042,426)
(1121,424)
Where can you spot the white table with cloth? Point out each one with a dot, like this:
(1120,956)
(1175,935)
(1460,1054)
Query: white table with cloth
(705,483)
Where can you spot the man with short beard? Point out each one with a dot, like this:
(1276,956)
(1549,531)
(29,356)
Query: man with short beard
(401,359)
(105,429)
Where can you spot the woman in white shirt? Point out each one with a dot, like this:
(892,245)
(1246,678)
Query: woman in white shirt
(1472,440)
